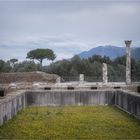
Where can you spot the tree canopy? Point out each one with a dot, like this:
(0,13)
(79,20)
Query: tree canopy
(40,54)
(71,68)
(12,61)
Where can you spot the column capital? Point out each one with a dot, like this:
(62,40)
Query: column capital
(127,42)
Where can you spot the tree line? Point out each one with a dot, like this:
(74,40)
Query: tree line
(37,54)
(91,67)
(71,68)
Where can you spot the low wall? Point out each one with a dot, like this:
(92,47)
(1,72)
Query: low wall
(129,102)
(10,107)
(54,98)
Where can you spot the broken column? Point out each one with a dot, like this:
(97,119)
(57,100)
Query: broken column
(58,80)
(105,77)
(128,61)
(81,78)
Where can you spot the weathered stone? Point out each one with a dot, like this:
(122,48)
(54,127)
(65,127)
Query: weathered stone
(105,77)
(58,80)
(36,85)
(10,106)
(81,78)
(126,100)
(13,86)
(128,61)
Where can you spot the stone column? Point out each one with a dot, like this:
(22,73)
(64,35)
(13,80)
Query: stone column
(128,61)
(105,77)
(58,80)
(81,78)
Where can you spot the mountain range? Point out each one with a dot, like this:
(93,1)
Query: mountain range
(110,51)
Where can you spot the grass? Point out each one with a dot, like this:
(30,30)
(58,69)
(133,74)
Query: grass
(84,122)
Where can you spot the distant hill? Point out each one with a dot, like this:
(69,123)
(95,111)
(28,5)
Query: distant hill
(136,53)
(110,51)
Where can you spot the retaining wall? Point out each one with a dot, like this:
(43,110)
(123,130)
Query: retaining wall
(11,106)
(129,102)
(54,98)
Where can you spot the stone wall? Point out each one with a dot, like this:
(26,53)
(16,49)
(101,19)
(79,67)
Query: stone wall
(59,98)
(10,107)
(129,102)
(126,100)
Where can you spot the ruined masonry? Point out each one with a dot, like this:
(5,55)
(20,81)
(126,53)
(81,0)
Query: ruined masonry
(105,77)
(128,61)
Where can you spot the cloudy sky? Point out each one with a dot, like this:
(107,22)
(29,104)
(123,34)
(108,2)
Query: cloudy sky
(66,26)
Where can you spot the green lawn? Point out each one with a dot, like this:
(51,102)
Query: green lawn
(84,122)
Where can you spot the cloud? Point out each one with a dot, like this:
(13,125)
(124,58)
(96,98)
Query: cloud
(63,46)
(68,27)
(89,20)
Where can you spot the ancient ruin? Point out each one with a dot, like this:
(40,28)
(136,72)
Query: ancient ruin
(128,61)
(105,77)
(19,90)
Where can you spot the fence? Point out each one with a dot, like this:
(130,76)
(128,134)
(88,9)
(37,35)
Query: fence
(93,78)
(69,78)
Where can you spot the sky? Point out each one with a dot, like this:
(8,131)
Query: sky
(68,27)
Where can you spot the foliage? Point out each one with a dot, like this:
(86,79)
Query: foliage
(100,59)
(40,54)
(136,71)
(12,63)
(97,122)
(71,68)
(26,66)
(92,68)
(2,63)
(13,60)
(5,66)
(120,60)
